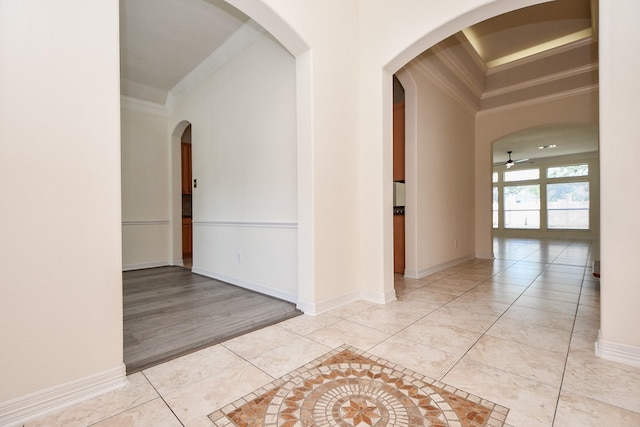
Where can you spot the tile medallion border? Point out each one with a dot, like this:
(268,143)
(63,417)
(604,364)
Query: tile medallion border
(349,387)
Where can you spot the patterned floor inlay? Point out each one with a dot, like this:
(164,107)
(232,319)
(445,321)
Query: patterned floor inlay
(348,387)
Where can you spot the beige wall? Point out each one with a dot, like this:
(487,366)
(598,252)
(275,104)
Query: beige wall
(61,292)
(146,226)
(619,130)
(439,175)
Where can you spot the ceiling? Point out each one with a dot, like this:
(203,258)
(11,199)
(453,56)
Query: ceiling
(163,40)
(569,139)
(524,32)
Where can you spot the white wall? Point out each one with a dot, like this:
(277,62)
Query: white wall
(146,215)
(619,130)
(440,175)
(244,159)
(61,292)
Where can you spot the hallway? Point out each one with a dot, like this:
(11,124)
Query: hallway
(518,330)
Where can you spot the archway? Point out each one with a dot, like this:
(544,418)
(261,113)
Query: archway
(178,189)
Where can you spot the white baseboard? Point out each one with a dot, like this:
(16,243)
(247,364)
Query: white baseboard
(314,309)
(419,274)
(144,265)
(276,293)
(621,353)
(487,255)
(17,411)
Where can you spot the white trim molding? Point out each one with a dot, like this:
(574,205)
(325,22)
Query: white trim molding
(413,274)
(621,353)
(147,222)
(250,224)
(256,287)
(17,411)
(315,309)
(142,106)
(143,265)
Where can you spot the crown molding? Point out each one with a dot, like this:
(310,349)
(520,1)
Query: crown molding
(441,82)
(540,100)
(539,80)
(142,106)
(545,54)
(244,37)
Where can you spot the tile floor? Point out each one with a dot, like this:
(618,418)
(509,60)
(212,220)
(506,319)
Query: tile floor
(518,330)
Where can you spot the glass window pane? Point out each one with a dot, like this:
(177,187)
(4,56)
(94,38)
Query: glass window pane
(495,177)
(521,175)
(495,207)
(522,206)
(568,205)
(568,171)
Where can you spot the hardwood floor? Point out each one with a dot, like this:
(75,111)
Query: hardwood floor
(169,312)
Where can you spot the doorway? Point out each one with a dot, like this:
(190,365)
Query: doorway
(187,197)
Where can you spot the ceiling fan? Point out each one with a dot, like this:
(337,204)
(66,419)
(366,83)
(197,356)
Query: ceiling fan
(510,163)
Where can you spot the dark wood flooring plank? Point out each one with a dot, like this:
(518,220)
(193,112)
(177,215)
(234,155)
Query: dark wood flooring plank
(169,312)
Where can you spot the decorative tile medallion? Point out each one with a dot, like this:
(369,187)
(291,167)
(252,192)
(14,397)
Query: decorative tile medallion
(350,388)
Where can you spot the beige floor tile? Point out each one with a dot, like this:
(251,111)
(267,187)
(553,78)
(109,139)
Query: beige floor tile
(305,324)
(556,340)
(592,312)
(468,303)
(556,287)
(350,309)
(575,410)
(552,295)
(568,308)
(530,403)
(194,402)
(190,368)
(155,413)
(540,318)
(462,319)
(587,327)
(389,321)
(533,363)
(486,294)
(411,306)
(596,378)
(592,300)
(261,341)
(137,392)
(425,360)
(351,333)
(444,337)
(433,297)
(450,287)
(286,358)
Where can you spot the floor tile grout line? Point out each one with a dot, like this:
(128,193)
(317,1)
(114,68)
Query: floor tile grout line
(566,361)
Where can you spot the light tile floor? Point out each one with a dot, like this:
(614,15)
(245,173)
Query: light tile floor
(518,330)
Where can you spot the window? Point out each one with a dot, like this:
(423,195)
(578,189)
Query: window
(544,198)
(522,206)
(496,207)
(568,205)
(521,175)
(568,171)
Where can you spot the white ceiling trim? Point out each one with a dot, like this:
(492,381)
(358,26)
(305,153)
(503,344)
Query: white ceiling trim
(539,81)
(538,56)
(143,106)
(242,38)
(541,99)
